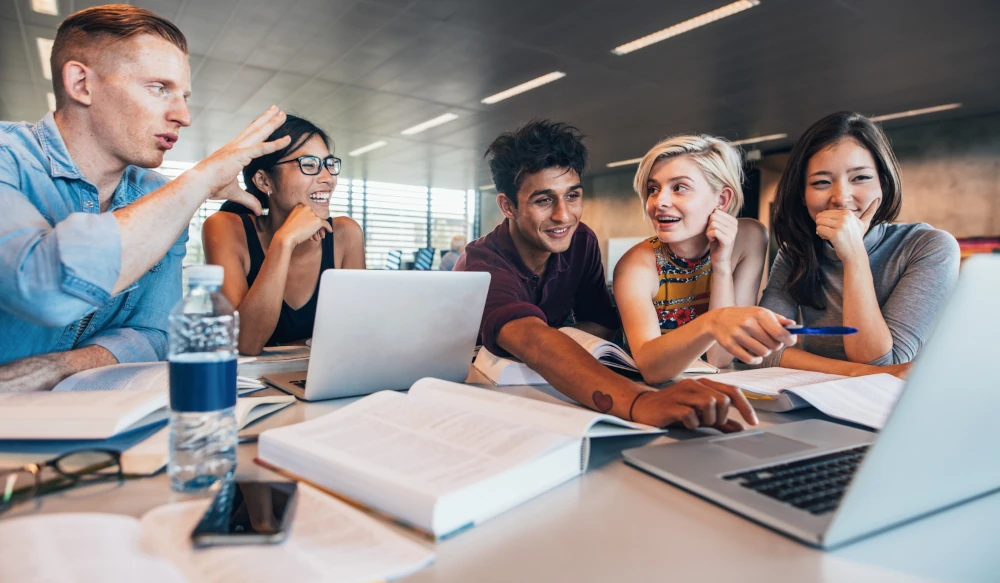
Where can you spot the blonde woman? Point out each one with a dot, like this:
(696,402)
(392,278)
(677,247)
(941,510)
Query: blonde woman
(692,288)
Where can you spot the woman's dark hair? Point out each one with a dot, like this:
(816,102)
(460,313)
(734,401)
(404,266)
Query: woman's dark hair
(300,131)
(533,147)
(794,229)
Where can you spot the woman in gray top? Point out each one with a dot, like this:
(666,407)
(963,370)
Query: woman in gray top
(842,262)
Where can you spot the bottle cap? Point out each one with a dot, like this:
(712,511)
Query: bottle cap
(204,274)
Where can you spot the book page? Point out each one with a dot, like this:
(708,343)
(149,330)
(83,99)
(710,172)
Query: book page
(866,400)
(328,541)
(141,376)
(79,548)
(74,415)
(771,381)
(428,446)
(571,420)
(119,377)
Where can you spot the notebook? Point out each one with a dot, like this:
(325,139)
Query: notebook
(444,457)
(504,371)
(328,541)
(866,400)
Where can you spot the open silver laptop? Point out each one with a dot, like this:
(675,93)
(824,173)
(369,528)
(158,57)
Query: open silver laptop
(380,330)
(827,484)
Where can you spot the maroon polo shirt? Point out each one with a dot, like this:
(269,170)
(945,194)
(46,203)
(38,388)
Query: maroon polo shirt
(573,288)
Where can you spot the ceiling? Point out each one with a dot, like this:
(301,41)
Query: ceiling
(365,70)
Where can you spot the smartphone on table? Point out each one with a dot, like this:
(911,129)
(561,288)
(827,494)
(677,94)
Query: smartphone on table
(245,512)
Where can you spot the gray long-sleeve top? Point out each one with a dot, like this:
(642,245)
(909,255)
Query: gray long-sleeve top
(914,267)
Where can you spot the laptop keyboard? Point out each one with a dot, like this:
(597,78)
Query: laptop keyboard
(815,484)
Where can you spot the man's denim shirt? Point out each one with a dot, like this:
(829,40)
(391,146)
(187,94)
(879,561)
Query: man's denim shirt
(60,256)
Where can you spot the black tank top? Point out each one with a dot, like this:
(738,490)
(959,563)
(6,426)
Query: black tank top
(292,324)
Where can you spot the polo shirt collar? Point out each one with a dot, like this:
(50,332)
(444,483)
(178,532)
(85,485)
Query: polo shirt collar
(557,262)
(61,164)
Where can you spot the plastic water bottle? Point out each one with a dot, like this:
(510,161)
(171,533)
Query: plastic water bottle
(203,333)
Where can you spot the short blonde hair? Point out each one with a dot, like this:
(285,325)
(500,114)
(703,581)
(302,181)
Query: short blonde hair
(720,161)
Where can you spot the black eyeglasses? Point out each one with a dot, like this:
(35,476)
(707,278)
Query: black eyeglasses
(72,469)
(313,165)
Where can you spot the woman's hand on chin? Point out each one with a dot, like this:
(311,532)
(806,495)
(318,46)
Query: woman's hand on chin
(721,233)
(846,231)
(301,225)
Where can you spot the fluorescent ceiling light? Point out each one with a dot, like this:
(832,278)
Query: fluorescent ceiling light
(45,54)
(51,97)
(488,187)
(45,7)
(624,162)
(914,112)
(368,148)
(526,86)
(760,139)
(431,123)
(708,17)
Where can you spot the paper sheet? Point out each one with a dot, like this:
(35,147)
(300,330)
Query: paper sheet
(329,541)
(79,548)
(866,400)
(771,381)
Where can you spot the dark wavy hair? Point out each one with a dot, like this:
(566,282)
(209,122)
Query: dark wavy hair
(300,130)
(533,147)
(794,229)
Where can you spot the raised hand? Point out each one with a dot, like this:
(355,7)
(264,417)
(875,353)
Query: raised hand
(694,403)
(846,231)
(721,233)
(302,225)
(218,172)
(750,333)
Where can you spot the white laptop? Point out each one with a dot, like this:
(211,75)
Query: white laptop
(378,330)
(828,484)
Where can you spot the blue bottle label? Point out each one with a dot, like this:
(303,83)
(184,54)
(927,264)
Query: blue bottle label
(202,385)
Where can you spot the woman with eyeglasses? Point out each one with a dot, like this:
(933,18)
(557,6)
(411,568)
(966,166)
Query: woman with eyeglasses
(273,262)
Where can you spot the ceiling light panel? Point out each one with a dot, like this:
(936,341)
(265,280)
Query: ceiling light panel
(758,140)
(526,86)
(45,7)
(624,162)
(431,123)
(44,55)
(687,25)
(914,112)
(368,148)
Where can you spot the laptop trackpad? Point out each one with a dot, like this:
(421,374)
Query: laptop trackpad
(763,445)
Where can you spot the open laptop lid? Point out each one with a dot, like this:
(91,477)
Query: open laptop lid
(940,446)
(380,330)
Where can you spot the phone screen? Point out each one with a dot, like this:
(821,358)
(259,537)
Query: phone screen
(247,512)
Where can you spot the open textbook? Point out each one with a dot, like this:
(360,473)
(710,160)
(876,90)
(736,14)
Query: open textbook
(99,403)
(504,371)
(329,541)
(866,400)
(143,447)
(445,456)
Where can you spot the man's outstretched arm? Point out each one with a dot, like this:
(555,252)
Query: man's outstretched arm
(577,374)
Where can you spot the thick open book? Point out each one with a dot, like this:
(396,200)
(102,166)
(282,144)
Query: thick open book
(504,371)
(328,541)
(445,456)
(99,403)
(143,448)
(866,400)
